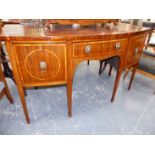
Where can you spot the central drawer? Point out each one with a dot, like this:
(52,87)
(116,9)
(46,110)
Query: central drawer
(88,49)
(41,63)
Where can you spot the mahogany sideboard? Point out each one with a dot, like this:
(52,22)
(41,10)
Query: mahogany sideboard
(43,56)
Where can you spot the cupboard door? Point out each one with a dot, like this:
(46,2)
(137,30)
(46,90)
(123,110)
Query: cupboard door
(135,49)
(41,62)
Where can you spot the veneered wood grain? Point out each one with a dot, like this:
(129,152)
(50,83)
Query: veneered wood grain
(63,48)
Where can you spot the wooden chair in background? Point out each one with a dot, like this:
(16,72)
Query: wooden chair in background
(4,90)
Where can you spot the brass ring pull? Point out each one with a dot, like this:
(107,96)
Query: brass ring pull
(118,46)
(87,49)
(42,65)
(136,50)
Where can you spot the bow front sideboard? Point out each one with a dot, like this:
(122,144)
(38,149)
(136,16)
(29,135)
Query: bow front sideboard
(44,56)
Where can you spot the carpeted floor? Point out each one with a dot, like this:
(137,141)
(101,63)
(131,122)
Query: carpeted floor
(147,61)
(133,112)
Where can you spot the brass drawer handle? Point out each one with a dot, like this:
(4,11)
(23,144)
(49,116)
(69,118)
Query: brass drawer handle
(42,65)
(118,46)
(87,49)
(136,50)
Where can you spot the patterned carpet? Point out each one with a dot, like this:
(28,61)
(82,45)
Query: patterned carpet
(133,112)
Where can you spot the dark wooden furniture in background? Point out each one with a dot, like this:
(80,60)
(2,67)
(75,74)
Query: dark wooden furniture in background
(151,25)
(5,62)
(7,70)
(4,90)
(81,22)
(41,56)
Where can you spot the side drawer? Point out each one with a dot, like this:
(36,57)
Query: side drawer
(87,49)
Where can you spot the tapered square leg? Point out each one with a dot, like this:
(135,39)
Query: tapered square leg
(132,76)
(117,79)
(22,98)
(110,70)
(69,96)
(88,62)
(102,68)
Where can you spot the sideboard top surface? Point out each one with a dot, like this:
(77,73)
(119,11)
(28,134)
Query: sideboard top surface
(67,32)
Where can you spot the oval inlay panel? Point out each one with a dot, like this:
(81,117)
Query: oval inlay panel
(33,60)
